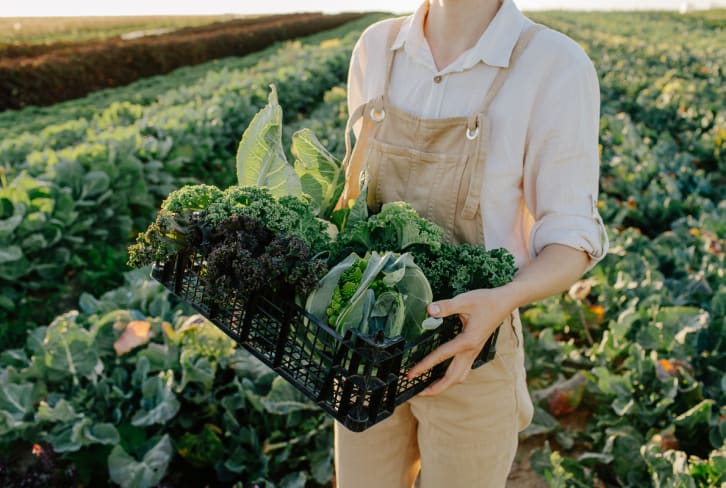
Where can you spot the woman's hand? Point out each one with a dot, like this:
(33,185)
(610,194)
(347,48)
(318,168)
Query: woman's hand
(554,270)
(480,311)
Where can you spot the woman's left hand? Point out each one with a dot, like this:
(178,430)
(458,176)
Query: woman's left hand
(554,270)
(480,311)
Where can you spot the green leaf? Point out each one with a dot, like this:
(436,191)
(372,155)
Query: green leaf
(63,411)
(196,369)
(7,303)
(95,183)
(72,437)
(321,174)
(415,289)
(88,303)
(158,403)
(388,314)
(101,433)
(542,423)
(129,473)
(69,347)
(284,399)
(9,224)
(318,301)
(248,366)
(698,415)
(261,159)
(16,402)
(294,480)
(321,466)
(10,254)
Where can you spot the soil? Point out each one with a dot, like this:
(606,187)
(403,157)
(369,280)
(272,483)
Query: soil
(522,475)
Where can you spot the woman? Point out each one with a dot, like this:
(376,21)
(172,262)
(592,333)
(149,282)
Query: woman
(488,125)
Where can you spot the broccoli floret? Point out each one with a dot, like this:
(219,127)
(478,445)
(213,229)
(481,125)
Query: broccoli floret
(379,287)
(396,228)
(348,290)
(335,307)
(347,285)
(410,227)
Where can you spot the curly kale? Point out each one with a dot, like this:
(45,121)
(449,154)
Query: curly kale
(195,216)
(455,269)
(191,197)
(246,257)
(288,215)
(397,227)
(169,234)
(176,227)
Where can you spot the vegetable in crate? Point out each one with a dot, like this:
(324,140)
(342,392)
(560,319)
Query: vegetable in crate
(251,240)
(397,228)
(188,215)
(176,226)
(378,293)
(454,269)
(246,256)
(450,269)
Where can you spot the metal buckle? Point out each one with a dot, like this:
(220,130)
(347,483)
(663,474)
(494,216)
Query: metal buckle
(472,135)
(377,117)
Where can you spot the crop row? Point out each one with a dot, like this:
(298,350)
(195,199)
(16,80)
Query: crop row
(20,130)
(32,50)
(56,30)
(68,214)
(43,80)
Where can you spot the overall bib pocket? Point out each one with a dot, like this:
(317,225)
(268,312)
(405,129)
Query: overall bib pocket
(416,177)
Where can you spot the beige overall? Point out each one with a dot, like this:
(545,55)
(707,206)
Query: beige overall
(467,435)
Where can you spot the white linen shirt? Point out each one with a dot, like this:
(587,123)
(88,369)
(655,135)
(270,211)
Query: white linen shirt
(542,170)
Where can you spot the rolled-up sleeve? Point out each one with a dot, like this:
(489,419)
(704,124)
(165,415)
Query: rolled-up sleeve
(561,167)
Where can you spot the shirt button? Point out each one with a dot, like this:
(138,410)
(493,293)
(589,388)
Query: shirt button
(437,79)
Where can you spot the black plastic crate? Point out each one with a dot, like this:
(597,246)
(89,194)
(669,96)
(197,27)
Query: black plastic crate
(357,379)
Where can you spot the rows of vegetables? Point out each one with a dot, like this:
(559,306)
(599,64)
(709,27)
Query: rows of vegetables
(627,368)
(29,78)
(114,167)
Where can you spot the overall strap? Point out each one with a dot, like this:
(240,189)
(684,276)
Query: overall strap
(353,187)
(479,125)
(504,72)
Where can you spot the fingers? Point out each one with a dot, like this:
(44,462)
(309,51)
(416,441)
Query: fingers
(456,373)
(444,308)
(460,344)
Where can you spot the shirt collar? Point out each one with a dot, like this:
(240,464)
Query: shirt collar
(494,47)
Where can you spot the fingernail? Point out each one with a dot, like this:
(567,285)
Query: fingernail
(434,309)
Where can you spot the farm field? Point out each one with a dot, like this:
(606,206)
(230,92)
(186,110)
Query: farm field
(118,381)
(39,74)
(47,30)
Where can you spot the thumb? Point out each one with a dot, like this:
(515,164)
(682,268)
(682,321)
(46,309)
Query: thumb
(443,308)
